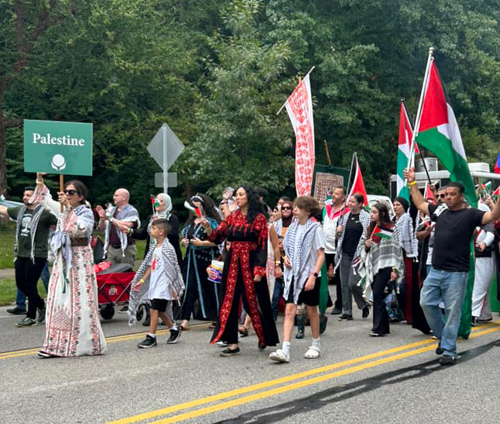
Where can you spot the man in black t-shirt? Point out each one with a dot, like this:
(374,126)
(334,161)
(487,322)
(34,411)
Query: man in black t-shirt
(447,280)
(32,234)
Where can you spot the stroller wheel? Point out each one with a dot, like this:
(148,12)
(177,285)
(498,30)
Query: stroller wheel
(140,313)
(107,311)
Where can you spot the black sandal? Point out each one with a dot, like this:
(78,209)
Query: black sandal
(230,352)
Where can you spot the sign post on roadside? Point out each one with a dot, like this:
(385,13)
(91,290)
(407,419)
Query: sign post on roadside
(165,148)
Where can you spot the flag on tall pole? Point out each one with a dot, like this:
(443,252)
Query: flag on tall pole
(300,111)
(404,143)
(438,132)
(358,185)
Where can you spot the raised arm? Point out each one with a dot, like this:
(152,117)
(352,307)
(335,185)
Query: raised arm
(492,216)
(416,197)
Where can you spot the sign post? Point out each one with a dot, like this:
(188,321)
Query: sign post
(165,148)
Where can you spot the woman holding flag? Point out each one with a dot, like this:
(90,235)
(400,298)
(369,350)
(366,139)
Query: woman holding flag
(383,263)
(199,255)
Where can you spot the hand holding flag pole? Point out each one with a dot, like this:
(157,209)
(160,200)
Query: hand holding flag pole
(411,159)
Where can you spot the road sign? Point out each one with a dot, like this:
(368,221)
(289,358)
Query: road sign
(58,147)
(174,147)
(165,148)
(171,179)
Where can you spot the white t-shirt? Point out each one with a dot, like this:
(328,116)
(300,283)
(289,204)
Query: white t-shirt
(330,232)
(159,287)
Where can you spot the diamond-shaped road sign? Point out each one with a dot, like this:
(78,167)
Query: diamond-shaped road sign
(165,148)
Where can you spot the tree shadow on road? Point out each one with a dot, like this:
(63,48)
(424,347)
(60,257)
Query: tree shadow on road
(347,391)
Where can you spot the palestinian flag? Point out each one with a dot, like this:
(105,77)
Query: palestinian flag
(405,135)
(428,194)
(191,208)
(382,233)
(496,192)
(358,185)
(438,132)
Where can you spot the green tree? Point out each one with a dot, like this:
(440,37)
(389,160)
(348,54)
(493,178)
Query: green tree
(240,139)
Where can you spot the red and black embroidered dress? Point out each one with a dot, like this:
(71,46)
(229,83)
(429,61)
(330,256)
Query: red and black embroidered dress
(247,257)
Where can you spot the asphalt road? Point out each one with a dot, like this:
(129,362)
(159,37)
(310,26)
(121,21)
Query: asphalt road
(395,379)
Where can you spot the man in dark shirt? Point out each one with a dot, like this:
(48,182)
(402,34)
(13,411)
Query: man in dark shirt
(32,233)
(447,280)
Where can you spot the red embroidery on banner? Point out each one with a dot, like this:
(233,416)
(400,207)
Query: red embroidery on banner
(302,120)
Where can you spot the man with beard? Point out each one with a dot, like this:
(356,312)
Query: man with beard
(33,224)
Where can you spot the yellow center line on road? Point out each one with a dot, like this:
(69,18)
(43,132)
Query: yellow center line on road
(111,339)
(287,379)
(304,383)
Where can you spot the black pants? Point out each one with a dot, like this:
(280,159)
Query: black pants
(192,293)
(380,314)
(330,260)
(231,331)
(27,276)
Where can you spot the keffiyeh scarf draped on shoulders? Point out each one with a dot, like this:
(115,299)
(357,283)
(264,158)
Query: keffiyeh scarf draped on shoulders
(172,271)
(298,254)
(61,240)
(364,218)
(127,214)
(407,236)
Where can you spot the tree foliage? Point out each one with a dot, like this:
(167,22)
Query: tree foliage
(217,72)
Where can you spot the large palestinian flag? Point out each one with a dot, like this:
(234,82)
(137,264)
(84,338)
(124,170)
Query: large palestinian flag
(405,136)
(438,132)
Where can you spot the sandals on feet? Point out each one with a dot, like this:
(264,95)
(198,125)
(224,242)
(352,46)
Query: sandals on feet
(312,353)
(279,356)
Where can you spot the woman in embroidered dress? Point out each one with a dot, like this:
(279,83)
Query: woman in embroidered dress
(383,261)
(244,273)
(199,255)
(72,317)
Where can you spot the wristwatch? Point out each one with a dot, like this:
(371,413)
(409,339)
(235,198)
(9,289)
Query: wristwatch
(315,274)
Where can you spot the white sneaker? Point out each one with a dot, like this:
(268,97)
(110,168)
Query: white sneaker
(279,356)
(221,344)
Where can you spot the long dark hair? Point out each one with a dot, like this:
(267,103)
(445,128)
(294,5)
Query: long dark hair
(255,206)
(383,216)
(208,208)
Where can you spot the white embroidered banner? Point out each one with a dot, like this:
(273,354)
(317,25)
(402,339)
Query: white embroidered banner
(299,108)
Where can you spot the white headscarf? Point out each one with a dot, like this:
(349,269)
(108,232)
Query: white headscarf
(168,206)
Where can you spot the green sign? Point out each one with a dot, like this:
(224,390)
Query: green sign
(58,147)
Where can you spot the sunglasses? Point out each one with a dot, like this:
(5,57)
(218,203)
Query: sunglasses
(286,208)
(441,196)
(70,192)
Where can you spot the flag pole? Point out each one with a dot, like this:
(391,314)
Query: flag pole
(420,105)
(354,156)
(300,80)
(419,150)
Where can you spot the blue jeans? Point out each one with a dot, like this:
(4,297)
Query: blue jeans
(449,288)
(278,293)
(21,297)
